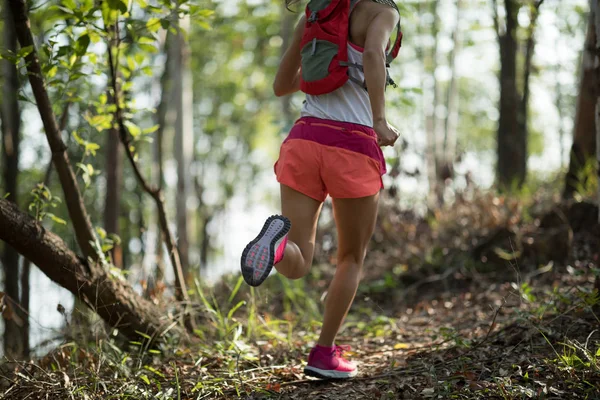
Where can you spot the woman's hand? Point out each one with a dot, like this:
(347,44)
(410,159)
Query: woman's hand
(386,134)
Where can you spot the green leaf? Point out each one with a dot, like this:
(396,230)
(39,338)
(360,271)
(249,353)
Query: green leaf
(52,72)
(78,138)
(153,24)
(118,5)
(131,63)
(148,71)
(82,44)
(101,232)
(142,3)
(25,51)
(70,4)
(146,40)
(134,130)
(152,129)
(56,219)
(145,379)
(148,47)
(94,36)
(91,148)
(139,58)
(204,25)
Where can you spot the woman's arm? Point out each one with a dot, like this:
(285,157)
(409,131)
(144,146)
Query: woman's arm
(287,79)
(377,37)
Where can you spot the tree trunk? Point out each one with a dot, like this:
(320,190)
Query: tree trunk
(431,123)
(113,299)
(184,134)
(452,100)
(114,181)
(162,119)
(15,346)
(584,132)
(597,84)
(74,201)
(523,115)
(512,152)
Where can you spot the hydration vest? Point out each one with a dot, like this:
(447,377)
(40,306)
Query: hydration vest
(324,46)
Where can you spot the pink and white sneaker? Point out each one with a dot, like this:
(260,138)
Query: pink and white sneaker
(261,254)
(329,363)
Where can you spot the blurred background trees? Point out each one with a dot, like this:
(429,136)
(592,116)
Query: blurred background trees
(489,94)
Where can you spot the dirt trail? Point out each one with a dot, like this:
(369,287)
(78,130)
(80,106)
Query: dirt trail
(471,345)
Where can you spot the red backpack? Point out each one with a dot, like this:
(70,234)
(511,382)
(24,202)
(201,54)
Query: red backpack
(324,48)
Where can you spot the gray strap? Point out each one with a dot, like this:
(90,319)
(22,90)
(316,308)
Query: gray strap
(360,83)
(351,65)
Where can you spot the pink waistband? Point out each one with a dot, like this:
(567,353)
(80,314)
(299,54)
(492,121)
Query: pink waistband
(340,125)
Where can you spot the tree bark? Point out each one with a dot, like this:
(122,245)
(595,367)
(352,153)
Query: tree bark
(112,298)
(511,152)
(514,100)
(162,116)
(114,181)
(73,199)
(15,334)
(597,85)
(584,132)
(452,98)
(184,134)
(523,115)
(431,123)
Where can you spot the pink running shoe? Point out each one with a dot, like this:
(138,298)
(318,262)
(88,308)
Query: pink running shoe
(329,363)
(261,254)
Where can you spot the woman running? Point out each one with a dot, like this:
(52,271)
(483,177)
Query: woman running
(333,149)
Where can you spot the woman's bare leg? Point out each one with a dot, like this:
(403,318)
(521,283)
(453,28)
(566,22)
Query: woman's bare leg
(303,212)
(355,220)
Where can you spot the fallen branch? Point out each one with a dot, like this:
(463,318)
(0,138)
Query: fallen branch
(111,297)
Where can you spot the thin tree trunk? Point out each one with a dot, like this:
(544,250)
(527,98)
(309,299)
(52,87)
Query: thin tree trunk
(161,120)
(182,88)
(112,298)
(114,180)
(15,346)
(432,150)
(523,115)
(452,100)
(584,132)
(597,83)
(558,88)
(511,143)
(74,201)
(25,293)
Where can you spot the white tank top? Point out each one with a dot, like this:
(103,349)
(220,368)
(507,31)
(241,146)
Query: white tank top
(349,103)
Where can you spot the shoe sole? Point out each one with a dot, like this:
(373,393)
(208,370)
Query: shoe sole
(328,374)
(259,255)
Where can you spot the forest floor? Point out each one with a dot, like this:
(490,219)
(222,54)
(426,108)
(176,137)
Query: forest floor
(448,327)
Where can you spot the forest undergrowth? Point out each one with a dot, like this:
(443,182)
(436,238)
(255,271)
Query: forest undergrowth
(487,298)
